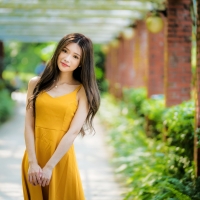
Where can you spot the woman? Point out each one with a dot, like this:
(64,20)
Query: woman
(59,103)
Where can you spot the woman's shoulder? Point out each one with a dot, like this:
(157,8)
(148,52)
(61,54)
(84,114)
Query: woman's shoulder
(33,81)
(82,92)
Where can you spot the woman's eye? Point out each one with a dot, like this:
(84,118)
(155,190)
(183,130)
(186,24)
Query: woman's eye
(64,50)
(76,57)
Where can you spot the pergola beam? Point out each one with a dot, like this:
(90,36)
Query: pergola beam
(54,31)
(44,20)
(123,14)
(59,28)
(40,39)
(87,5)
(4,22)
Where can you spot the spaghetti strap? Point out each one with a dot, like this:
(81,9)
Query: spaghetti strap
(78,88)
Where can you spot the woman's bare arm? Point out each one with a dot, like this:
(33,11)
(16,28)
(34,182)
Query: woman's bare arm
(68,138)
(34,169)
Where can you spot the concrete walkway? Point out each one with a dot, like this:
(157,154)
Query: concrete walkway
(93,160)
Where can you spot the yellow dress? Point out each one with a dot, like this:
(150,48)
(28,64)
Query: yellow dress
(53,118)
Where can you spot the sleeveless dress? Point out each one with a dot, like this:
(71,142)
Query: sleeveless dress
(52,120)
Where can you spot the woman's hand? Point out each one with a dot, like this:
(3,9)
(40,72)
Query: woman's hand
(34,174)
(46,176)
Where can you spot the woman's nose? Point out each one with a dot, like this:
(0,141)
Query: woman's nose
(67,58)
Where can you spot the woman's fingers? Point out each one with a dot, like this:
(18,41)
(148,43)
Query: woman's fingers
(34,174)
(34,178)
(46,176)
(44,180)
(47,183)
(30,178)
(38,177)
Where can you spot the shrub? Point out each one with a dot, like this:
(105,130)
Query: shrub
(6,105)
(179,124)
(133,99)
(153,168)
(179,134)
(153,111)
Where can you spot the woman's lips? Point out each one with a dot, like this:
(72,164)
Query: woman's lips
(64,65)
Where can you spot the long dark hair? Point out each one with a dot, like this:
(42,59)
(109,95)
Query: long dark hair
(84,74)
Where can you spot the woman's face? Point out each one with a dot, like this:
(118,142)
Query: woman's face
(69,58)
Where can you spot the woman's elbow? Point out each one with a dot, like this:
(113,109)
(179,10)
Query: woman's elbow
(75,131)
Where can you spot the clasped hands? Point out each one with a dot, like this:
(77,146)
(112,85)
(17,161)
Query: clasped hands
(38,176)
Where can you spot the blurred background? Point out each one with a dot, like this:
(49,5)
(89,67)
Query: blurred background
(147,65)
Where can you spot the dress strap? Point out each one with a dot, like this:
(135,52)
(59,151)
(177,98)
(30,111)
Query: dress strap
(78,88)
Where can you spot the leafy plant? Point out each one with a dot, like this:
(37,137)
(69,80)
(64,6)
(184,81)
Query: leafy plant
(153,111)
(6,105)
(133,99)
(179,123)
(153,168)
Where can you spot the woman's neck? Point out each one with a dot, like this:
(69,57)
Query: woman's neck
(66,78)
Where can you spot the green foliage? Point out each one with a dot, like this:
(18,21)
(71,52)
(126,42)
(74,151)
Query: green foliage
(137,104)
(179,123)
(153,111)
(179,134)
(176,193)
(6,105)
(99,58)
(142,160)
(8,76)
(153,168)
(24,57)
(2,84)
(134,98)
(177,189)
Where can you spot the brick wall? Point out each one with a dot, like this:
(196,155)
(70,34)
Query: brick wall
(128,64)
(119,66)
(156,47)
(148,60)
(113,70)
(178,63)
(140,58)
(125,62)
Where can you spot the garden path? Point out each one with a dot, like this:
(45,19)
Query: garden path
(93,160)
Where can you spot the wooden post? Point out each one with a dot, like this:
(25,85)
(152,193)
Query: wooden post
(196,149)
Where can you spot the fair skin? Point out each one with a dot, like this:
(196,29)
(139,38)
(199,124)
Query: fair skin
(68,61)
